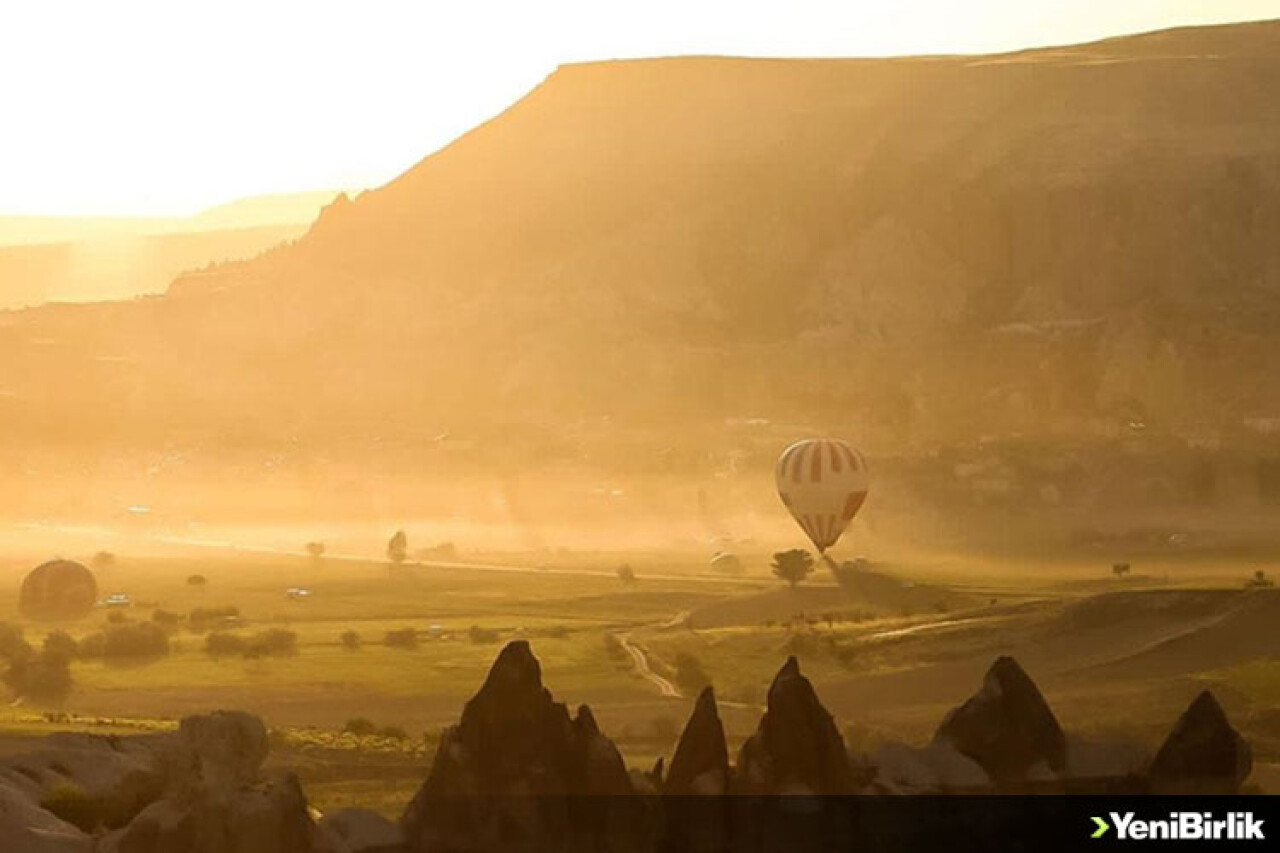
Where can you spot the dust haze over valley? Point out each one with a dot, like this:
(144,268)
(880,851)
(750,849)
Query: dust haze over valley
(1039,291)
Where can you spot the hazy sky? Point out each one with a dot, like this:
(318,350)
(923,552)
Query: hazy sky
(130,107)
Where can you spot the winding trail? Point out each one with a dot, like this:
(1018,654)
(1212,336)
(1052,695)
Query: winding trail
(641,660)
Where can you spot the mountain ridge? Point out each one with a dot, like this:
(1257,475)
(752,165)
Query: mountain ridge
(926,249)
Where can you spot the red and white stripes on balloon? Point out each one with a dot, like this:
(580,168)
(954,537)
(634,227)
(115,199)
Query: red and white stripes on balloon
(823,482)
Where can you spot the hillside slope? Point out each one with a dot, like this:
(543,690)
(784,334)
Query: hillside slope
(928,249)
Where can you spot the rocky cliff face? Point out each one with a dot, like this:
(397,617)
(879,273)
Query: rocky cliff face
(519,773)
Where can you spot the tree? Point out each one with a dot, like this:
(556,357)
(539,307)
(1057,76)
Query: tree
(401,638)
(792,566)
(197,580)
(350,640)
(360,727)
(59,645)
(1119,569)
(315,550)
(398,548)
(103,560)
(44,678)
(44,675)
(1260,580)
(626,574)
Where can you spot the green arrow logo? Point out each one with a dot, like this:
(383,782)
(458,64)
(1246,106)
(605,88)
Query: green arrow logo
(1102,828)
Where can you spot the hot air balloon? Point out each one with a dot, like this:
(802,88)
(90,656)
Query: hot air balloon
(58,589)
(823,482)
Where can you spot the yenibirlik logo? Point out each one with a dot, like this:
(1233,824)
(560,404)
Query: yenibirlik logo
(1182,826)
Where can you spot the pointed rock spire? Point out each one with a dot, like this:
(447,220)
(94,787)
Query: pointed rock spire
(1203,754)
(701,761)
(513,741)
(601,769)
(1007,727)
(796,748)
(585,721)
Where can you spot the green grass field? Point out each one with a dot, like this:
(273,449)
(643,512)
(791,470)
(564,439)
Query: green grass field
(888,670)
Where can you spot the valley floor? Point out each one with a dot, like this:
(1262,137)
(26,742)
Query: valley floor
(888,656)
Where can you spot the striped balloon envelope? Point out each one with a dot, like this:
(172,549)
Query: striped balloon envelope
(823,482)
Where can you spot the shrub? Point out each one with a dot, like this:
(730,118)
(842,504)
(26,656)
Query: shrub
(626,574)
(91,646)
(1259,580)
(482,635)
(274,642)
(360,727)
(134,640)
(40,677)
(204,619)
(350,640)
(690,676)
(393,733)
(197,580)
(73,804)
(59,645)
(12,643)
(220,644)
(166,620)
(403,638)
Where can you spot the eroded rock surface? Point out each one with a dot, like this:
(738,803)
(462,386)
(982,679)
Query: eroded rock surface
(514,740)
(797,748)
(700,764)
(1203,754)
(1007,727)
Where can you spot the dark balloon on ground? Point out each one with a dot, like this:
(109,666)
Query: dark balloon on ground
(58,589)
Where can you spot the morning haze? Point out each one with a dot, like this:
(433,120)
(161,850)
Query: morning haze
(534,389)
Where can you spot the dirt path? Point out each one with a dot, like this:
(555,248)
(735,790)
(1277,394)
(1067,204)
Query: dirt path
(641,660)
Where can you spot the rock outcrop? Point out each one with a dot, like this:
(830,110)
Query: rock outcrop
(599,769)
(696,815)
(902,769)
(1007,728)
(505,776)
(519,773)
(217,799)
(226,748)
(797,748)
(26,827)
(115,777)
(1203,754)
(700,764)
(361,831)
